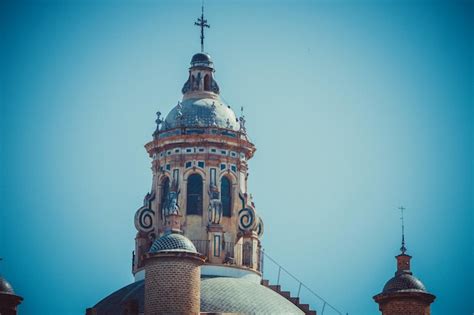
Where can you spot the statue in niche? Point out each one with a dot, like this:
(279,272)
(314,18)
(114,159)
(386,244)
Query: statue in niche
(171,205)
(215,205)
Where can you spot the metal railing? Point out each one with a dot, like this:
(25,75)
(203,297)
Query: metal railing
(300,285)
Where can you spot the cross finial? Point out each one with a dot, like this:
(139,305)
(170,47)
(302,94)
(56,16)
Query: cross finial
(403,249)
(202,23)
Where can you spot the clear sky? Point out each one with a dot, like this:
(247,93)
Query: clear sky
(356,108)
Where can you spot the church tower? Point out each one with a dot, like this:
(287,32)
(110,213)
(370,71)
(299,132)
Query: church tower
(199,157)
(198,241)
(404,294)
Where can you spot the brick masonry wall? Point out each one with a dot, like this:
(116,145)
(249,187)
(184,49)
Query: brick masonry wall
(172,285)
(405,307)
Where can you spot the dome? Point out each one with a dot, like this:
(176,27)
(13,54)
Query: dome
(240,296)
(201,112)
(172,242)
(201,59)
(5,286)
(403,282)
(218,294)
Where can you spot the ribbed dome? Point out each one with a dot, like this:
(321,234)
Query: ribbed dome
(5,286)
(172,242)
(201,59)
(403,282)
(201,112)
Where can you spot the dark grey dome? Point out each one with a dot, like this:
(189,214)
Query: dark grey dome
(201,112)
(403,282)
(5,286)
(218,294)
(173,242)
(201,59)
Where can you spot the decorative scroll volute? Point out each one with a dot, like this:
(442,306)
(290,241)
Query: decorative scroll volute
(145,216)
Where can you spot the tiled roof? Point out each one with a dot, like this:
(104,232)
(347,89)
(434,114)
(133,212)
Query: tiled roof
(218,294)
(201,112)
(403,282)
(173,242)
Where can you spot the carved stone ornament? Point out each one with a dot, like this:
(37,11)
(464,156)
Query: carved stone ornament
(259,226)
(247,219)
(144,217)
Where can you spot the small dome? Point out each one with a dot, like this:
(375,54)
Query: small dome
(201,112)
(403,282)
(201,59)
(5,286)
(172,242)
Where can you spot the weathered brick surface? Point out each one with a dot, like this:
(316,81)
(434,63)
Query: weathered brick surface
(405,307)
(172,286)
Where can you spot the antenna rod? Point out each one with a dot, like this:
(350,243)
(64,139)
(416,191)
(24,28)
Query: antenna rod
(403,248)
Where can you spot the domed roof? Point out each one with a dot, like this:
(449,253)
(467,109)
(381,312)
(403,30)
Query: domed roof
(218,294)
(201,112)
(172,242)
(403,282)
(201,59)
(5,286)
(240,296)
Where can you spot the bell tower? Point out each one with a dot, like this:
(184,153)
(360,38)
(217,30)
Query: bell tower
(200,153)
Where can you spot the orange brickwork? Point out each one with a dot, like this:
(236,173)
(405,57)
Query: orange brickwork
(173,283)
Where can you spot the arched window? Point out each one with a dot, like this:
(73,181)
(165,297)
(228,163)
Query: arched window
(207,82)
(194,195)
(226,198)
(165,188)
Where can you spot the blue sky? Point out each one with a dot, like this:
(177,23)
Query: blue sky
(356,108)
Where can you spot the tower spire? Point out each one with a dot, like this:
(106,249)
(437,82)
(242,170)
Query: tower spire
(403,249)
(202,23)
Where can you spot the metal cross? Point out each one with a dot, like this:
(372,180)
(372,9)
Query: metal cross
(202,23)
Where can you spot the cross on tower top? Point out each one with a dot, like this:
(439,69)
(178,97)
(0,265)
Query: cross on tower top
(202,23)
(403,249)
